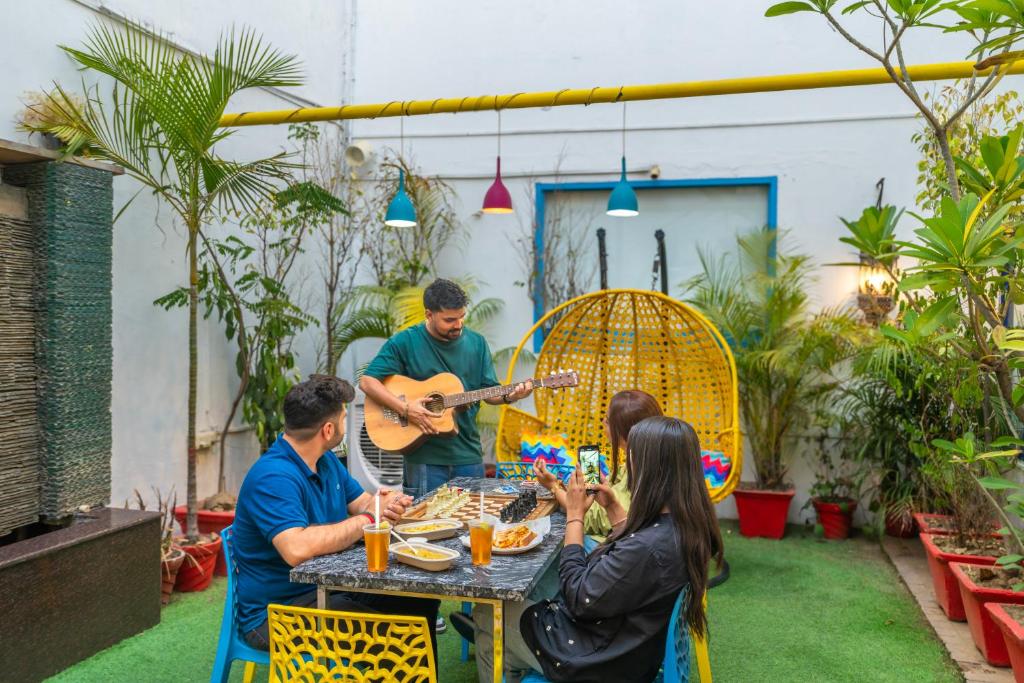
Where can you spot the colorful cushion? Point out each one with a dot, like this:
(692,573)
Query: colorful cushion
(552,448)
(717,466)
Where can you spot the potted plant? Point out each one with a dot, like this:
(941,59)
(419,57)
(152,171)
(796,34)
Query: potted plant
(171,556)
(836,490)
(1008,619)
(785,355)
(982,585)
(163,131)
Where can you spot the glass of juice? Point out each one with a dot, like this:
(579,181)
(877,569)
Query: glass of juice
(481,536)
(376,537)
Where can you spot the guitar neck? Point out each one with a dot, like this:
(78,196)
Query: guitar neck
(455,400)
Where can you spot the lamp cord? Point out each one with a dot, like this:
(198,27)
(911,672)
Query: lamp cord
(623,129)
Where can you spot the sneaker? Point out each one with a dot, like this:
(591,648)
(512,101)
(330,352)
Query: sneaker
(440,626)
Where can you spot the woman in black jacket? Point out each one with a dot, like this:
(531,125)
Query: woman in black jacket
(610,619)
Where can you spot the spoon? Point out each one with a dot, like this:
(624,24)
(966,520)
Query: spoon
(410,546)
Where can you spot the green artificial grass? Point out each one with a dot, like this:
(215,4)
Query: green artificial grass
(800,609)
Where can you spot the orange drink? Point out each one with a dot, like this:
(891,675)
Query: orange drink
(376,538)
(481,536)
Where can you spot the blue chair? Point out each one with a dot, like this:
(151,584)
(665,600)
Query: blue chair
(676,664)
(231,645)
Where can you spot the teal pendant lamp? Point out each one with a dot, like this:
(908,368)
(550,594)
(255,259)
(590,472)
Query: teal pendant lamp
(622,201)
(401,213)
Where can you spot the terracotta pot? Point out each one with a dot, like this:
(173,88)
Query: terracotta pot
(835,518)
(986,634)
(926,521)
(1013,637)
(169,572)
(947,590)
(900,525)
(210,521)
(196,575)
(763,513)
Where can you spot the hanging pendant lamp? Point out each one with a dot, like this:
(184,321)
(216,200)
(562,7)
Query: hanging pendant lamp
(622,201)
(401,213)
(498,199)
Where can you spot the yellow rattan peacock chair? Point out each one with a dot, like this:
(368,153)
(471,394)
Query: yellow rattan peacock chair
(621,339)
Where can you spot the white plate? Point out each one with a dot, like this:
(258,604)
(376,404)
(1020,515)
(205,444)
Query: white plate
(538,539)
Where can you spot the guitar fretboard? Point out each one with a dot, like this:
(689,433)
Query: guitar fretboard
(455,400)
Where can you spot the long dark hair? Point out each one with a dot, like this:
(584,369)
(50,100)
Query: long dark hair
(625,410)
(664,470)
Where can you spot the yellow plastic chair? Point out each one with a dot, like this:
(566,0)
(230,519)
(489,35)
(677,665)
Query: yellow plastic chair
(621,339)
(312,645)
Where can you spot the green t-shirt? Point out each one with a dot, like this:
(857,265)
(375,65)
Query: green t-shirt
(417,355)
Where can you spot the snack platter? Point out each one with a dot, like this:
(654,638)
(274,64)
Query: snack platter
(455,503)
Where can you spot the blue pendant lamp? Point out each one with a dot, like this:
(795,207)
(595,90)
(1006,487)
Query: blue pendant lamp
(622,201)
(401,213)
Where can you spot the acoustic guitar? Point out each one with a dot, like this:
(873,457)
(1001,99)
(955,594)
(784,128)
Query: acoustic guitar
(390,431)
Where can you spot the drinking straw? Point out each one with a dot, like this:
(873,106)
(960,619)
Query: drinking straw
(376,501)
(481,505)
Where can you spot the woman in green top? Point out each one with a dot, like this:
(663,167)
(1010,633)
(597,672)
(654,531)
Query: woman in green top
(625,410)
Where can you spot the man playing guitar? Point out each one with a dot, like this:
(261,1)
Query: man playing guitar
(440,344)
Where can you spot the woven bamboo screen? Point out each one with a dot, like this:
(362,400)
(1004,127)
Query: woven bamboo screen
(633,339)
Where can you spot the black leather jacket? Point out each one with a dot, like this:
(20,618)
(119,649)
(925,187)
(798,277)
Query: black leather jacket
(610,619)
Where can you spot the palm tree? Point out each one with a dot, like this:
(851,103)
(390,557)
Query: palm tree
(162,123)
(786,355)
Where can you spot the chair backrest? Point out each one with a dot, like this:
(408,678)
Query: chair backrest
(314,644)
(519,471)
(676,664)
(632,339)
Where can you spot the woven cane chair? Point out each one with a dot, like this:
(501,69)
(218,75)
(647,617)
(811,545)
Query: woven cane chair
(621,339)
(313,645)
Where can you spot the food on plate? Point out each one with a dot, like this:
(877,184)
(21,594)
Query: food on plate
(422,553)
(514,537)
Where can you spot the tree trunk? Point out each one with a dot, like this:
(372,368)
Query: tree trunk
(192,521)
(942,138)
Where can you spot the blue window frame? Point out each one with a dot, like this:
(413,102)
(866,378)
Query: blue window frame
(541,191)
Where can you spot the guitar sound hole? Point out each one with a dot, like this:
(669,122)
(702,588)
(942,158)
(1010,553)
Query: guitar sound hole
(435,403)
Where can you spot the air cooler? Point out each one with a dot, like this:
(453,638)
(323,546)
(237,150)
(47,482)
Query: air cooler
(371,466)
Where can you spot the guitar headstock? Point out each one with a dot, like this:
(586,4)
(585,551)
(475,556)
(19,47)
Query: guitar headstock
(562,378)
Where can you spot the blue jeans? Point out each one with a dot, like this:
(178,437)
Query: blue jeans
(419,480)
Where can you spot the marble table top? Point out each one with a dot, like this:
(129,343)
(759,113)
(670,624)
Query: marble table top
(509,577)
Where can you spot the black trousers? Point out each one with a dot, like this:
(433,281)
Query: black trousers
(259,637)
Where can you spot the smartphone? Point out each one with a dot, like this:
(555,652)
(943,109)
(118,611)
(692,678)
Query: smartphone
(589,459)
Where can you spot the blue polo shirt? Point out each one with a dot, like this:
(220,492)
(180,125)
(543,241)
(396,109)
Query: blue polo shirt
(280,492)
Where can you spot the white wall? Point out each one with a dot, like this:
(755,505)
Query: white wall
(150,345)
(828,148)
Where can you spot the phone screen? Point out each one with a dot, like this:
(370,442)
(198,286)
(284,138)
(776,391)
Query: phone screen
(589,458)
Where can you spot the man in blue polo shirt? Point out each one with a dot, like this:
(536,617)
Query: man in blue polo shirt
(297,502)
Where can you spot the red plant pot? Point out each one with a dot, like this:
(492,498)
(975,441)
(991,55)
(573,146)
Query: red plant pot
(947,590)
(1013,637)
(835,518)
(926,522)
(900,526)
(763,513)
(984,630)
(196,574)
(210,521)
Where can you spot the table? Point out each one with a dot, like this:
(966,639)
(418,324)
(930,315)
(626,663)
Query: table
(509,577)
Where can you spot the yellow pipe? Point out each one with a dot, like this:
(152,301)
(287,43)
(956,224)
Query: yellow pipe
(625,93)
